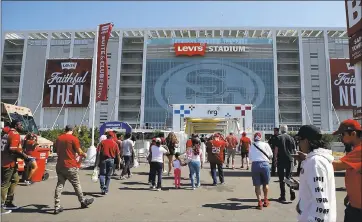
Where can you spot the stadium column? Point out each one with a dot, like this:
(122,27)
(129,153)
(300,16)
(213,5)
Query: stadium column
(22,72)
(143,89)
(301,68)
(329,86)
(275,64)
(119,68)
(71,51)
(47,53)
(93,83)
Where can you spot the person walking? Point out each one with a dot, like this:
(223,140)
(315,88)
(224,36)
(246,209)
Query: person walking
(157,152)
(194,159)
(283,152)
(127,153)
(10,150)
(273,143)
(215,149)
(260,153)
(350,132)
(107,151)
(317,191)
(177,164)
(245,144)
(67,168)
(171,143)
(232,142)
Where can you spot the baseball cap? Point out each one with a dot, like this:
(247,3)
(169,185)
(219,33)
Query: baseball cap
(6,129)
(158,140)
(309,132)
(257,136)
(349,124)
(68,128)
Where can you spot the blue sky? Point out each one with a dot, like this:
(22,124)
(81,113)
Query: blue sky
(83,15)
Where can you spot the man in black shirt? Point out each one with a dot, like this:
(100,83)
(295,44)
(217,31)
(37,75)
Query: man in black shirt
(283,153)
(273,143)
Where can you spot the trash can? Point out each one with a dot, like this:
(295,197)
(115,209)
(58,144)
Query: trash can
(40,155)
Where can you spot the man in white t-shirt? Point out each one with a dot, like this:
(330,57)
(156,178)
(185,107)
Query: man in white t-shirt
(157,152)
(127,151)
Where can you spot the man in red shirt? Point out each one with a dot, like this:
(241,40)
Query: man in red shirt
(215,149)
(351,133)
(10,150)
(232,142)
(245,144)
(107,151)
(68,148)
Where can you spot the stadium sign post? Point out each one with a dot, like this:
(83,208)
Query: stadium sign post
(354,29)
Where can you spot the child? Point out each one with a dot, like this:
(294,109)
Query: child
(177,170)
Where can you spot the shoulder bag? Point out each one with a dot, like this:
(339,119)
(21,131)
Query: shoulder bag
(262,151)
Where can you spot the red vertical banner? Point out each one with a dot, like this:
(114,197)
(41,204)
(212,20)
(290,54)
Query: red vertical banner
(104,33)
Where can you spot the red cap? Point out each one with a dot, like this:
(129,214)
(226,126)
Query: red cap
(6,129)
(348,125)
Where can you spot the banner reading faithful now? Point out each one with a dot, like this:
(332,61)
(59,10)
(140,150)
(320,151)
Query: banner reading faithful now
(68,82)
(102,63)
(343,84)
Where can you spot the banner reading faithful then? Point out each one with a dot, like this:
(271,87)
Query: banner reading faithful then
(67,81)
(104,33)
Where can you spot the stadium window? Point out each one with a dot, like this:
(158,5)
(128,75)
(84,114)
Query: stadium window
(314,67)
(314,55)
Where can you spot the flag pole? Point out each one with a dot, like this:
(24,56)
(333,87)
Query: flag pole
(94,94)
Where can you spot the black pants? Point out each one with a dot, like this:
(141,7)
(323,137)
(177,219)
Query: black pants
(156,168)
(352,214)
(284,171)
(299,168)
(220,171)
(127,165)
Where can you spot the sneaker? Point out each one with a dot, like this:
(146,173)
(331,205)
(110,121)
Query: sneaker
(10,206)
(58,210)
(104,192)
(152,187)
(242,167)
(3,211)
(292,195)
(227,166)
(260,205)
(198,185)
(214,184)
(28,182)
(193,188)
(122,178)
(222,183)
(282,199)
(87,202)
(266,203)
(158,189)
(247,168)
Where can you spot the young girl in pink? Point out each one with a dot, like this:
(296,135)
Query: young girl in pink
(177,164)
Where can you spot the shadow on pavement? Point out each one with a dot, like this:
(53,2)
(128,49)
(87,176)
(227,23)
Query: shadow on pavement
(141,173)
(135,183)
(39,208)
(255,200)
(340,189)
(93,194)
(228,206)
(134,188)
(237,173)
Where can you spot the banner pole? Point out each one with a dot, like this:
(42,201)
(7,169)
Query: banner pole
(94,85)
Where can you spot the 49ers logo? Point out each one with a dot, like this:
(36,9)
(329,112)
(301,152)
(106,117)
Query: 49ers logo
(215,150)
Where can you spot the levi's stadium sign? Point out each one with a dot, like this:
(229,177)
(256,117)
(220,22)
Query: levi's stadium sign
(191,49)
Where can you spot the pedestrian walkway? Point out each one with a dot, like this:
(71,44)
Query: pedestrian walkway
(131,200)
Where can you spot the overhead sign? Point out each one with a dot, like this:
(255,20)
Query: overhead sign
(343,84)
(355,48)
(68,82)
(192,49)
(354,16)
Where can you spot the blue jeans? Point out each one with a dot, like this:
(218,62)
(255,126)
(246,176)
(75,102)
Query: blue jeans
(105,172)
(195,169)
(220,169)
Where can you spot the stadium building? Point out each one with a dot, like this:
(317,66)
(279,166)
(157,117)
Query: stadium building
(293,76)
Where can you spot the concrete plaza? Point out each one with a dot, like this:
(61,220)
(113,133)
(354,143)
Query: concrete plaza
(131,200)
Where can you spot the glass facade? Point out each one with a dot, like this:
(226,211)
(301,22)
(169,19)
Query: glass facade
(196,80)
